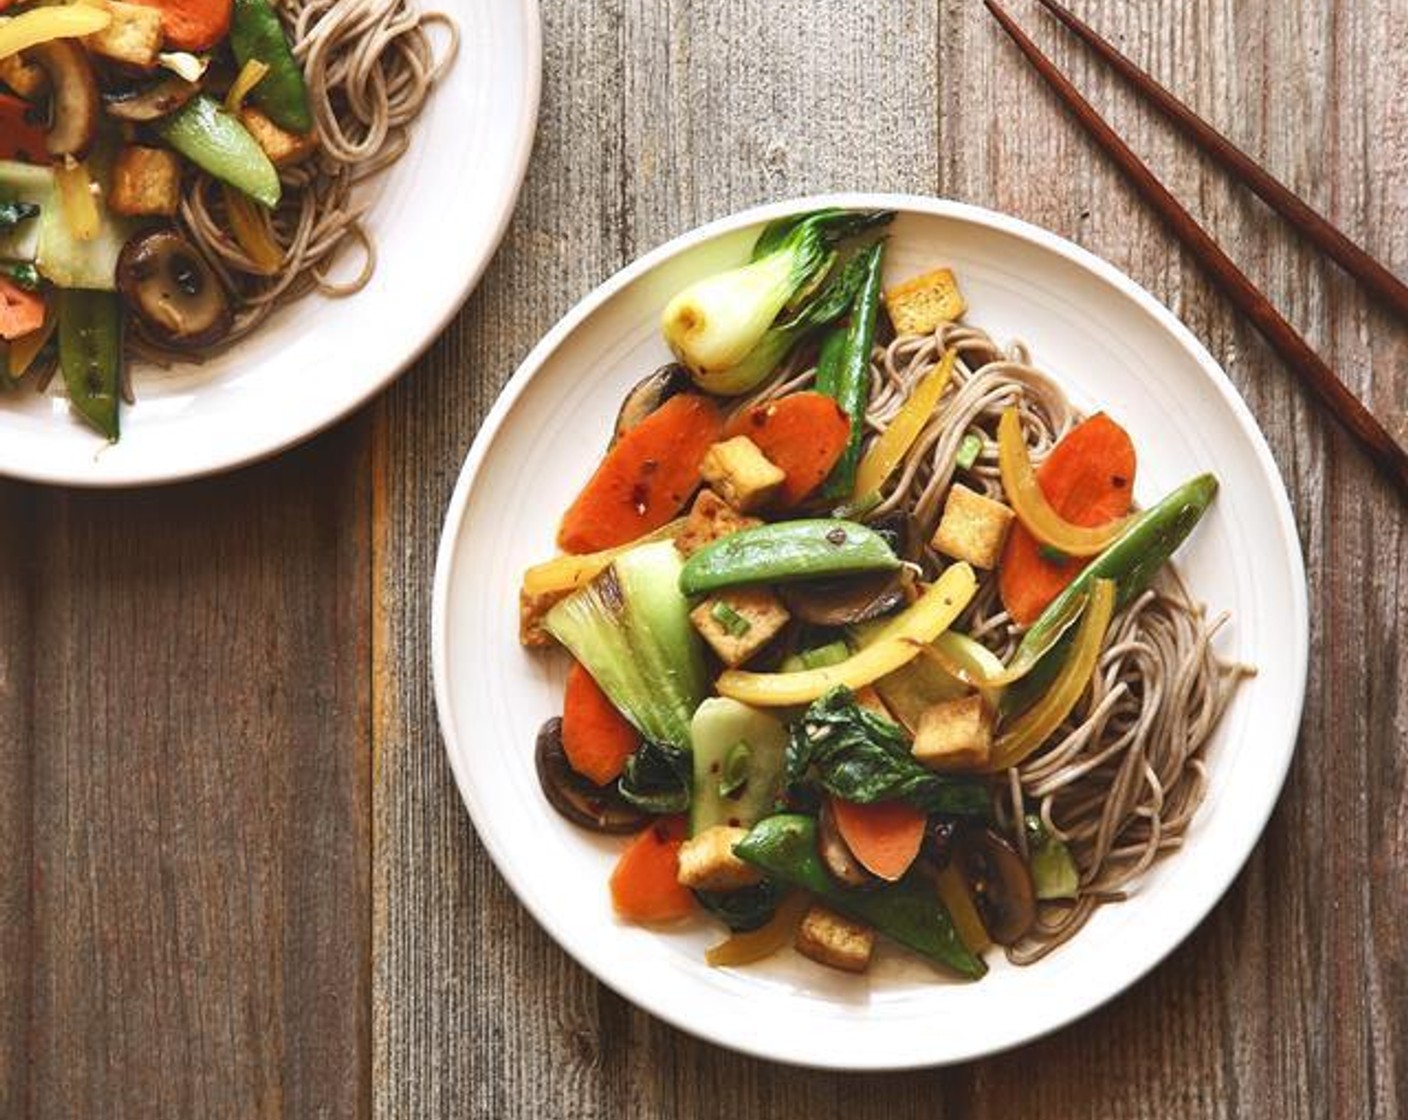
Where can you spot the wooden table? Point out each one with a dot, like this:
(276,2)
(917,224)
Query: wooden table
(238,880)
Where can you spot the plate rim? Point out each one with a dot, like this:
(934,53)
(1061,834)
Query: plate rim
(589,304)
(258,450)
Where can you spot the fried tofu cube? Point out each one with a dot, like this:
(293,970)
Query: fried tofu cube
(707,862)
(24,78)
(835,940)
(134,36)
(974,527)
(145,182)
(741,473)
(282,148)
(710,519)
(739,621)
(867,697)
(532,609)
(954,735)
(923,304)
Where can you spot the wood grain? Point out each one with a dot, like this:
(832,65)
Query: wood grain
(658,116)
(186,791)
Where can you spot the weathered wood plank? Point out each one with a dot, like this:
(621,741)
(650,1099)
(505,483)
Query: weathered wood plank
(196,738)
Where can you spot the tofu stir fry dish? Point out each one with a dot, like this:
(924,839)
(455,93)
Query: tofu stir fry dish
(869,639)
(171,172)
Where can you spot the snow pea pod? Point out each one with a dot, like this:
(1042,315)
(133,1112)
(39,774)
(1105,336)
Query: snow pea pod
(787,550)
(90,355)
(256,33)
(910,912)
(212,139)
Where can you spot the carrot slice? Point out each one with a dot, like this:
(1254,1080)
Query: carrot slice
(596,738)
(193,25)
(885,835)
(645,479)
(21,131)
(645,884)
(1089,480)
(21,311)
(803,434)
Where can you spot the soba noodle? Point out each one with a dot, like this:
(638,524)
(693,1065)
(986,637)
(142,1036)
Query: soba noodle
(1123,777)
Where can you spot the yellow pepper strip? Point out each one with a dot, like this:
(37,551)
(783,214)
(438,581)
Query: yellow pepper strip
(25,349)
(250,75)
(29,29)
(745,948)
(889,450)
(1027,656)
(77,202)
(1030,504)
(1034,726)
(897,644)
(562,574)
(251,229)
(967,923)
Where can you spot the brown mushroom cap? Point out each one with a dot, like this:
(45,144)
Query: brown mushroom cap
(578,799)
(75,96)
(845,600)
(175,296)
(999,881)
(151,102)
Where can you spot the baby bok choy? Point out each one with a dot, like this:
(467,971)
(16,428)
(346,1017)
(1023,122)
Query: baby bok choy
(725,329)
(630,628)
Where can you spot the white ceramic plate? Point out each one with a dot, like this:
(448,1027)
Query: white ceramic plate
(438,216)
(1113,346)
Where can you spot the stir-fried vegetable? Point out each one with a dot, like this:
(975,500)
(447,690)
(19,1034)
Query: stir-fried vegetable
(21,310)
(753,945)
(739,760)
(910,912)
(1054,872)
(1034,726)
(1029,502)
(898,643)
(716,322)
(850,382)
(212,139)
(257,35)
(41,25)
(90,355)
(568,573)
(77,202)
(893,444)
(802,434)
(787,550)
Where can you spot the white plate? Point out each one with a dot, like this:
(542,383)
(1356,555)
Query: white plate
(438,216)
(1111,344)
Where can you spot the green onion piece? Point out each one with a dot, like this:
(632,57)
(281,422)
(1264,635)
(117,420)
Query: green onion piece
(736,764)
(730,619)
(833,653)
(969,450)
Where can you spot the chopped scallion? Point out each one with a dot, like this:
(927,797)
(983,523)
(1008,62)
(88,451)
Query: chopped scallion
(730,619)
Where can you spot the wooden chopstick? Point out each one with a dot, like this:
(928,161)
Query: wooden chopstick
(1351,257)
(1378,444)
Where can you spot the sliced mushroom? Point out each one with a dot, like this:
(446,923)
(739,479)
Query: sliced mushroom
(174,294)
(999,881)
(151,102)
(581,801)
(836,855)
(844,601)
(74,117)
(648,395)
(939,837)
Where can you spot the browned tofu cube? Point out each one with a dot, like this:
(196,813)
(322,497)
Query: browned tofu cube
(707,862)
(835,940)
(282,148)
(532,609)
(739,621)
(973,527)
(146,182)
(925,303)
(868,697)
(955,735)
(22,77)
(133,37)
(710,519)
(741,473)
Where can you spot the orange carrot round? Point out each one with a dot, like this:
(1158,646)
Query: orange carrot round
(596,738)
(193,25)
(884,836)
(803,434)
(645,884)
(21,311)
(1089,480)
(646,477)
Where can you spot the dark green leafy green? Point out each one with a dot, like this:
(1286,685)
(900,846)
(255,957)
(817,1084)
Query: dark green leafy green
(745,909)
(655,778)
(857,755)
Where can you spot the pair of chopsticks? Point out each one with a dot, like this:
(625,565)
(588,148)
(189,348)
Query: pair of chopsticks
(1375,439)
